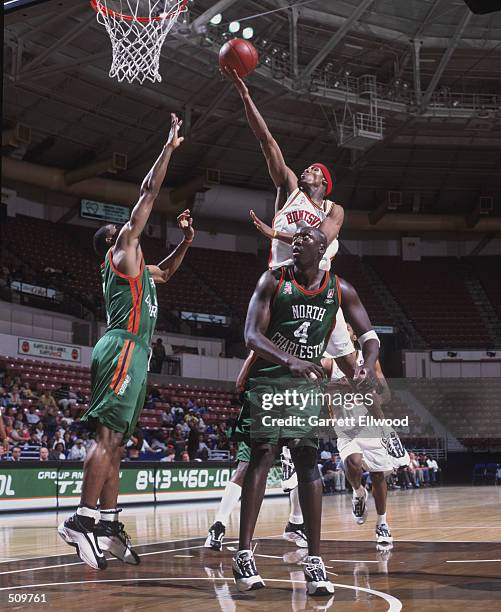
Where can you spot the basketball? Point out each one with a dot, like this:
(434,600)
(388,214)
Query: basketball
(240,55)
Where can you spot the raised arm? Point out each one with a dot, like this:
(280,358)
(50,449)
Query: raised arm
(163,271)
(125,251)
(330,226)
(280,173)
(256,325)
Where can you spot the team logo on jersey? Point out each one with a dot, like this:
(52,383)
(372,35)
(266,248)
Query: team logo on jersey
(330,295)
(287,288)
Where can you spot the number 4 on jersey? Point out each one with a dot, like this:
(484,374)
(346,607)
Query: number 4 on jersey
(302,332)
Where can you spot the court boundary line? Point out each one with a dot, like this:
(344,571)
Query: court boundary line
(395,605)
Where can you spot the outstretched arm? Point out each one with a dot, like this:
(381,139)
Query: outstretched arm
(163,271)
(280,173)
(124,253)
(256,325)
(330,226)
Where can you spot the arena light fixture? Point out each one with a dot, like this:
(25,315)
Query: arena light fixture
(216,20)
(234,27)
(248,33)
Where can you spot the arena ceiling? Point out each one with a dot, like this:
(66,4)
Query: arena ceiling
(437,70)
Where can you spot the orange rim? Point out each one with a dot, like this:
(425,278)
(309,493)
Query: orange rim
(99,7)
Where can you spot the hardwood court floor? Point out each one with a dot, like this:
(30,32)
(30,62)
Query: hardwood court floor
(447,554)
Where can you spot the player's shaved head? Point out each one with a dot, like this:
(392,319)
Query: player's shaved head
(104,238)
(308,246)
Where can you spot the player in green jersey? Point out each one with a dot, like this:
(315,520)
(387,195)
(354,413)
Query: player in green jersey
(289,321)
(120,365)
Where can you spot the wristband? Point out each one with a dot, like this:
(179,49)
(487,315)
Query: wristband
(275,234)
(188,241)
(370,335)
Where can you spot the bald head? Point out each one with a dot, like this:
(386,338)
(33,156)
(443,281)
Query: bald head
(308,247)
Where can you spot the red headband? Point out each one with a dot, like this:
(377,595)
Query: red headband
(327,176)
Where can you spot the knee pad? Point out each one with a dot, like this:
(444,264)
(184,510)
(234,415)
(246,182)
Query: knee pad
(305,462)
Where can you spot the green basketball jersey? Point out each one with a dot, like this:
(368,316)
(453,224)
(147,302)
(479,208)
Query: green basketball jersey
(131,302)
(301,321)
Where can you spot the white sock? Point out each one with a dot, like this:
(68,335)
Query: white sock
(110,515)
(360,492)
(381,519)
(296,515)
(89,512)
(229,500)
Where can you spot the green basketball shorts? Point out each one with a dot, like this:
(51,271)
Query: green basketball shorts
(277,410)
(119,373)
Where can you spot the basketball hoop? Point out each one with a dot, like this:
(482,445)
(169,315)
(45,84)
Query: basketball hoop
(137,29)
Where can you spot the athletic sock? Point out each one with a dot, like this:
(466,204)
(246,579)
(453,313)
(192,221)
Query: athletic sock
(296,515)
(381,519)
(229,500)
(110,515)
(89,516)
(360,492)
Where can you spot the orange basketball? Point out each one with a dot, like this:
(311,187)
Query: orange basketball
(238,54)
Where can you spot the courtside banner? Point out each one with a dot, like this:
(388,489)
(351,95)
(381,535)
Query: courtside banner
(59,485)
(50,350)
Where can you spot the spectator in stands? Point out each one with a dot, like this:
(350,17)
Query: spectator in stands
(14,396)
(433,469)
(158,356)
(15,454)
(170,456)
(43,454)
(32,416)
(49,421)
(47,400)
(67,419)
(137,445)
(3,453)
(39,431)
(415,470)
(65,397)
(57,453)
(77,451)
(203,450)
(20,434)
(425,470)
(332,472)
(58,439)
(185,456)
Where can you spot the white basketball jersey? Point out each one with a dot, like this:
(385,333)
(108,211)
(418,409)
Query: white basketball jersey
(299,211)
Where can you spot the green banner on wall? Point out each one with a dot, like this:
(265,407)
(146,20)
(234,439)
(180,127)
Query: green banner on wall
(42,488)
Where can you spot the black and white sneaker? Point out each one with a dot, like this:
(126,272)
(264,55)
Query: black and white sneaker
(289,476)
(78,531)
(215,538)
(295,533)
(245,572)
(359,508)
(112,537)
(317,582)
(384,540)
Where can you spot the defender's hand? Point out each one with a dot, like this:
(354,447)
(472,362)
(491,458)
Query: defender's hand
(174,139)
(364,379)
(185,224)
(266,230)
(232,75)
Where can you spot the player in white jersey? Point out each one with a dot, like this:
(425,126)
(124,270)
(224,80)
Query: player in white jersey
(300,202)
(367,448)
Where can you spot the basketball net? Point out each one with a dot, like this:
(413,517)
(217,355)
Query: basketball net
(137,30)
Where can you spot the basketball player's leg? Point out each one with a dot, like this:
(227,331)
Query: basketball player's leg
(229,500)
(118,386)
(294,530)
(310,496)
(262,457)
(380,492)
(351,455)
